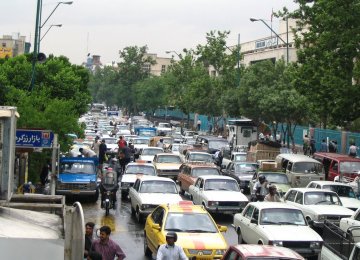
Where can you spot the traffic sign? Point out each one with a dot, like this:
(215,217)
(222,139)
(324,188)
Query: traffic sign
(34,138)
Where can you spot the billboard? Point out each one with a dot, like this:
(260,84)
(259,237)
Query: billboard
(5,52)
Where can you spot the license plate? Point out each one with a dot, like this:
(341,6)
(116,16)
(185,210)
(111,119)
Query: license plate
(75,191)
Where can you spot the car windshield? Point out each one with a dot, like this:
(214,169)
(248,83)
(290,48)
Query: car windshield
(140,141)
(321,198)
(158,187)
(349,167)
(274,216)
(110,140)
(190,222)
(151,151)
(307,167)
(83,168)
(276,178)
(240,157)
(218,144)
(201,171)
(221,184)
(123,127)
(342,191)
(168,159)
(164,125)
(201,157)
(147,133)
(140,169)
(242,168)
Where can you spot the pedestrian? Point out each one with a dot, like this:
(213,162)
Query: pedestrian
(272,196)
(353,150)
(124,158)
(106,246)
(121,143)
(261,188)
(312,146)
(102,153)
(94,256)
(219,156)
(306,144)
(89,233)
(87,152)
(160,143)
(324,146)
(333,146)
(96,145)
(198,124)
(44,175)
(210,128)
(170,251)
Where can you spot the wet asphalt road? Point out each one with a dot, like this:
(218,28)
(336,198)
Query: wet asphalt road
(128,233)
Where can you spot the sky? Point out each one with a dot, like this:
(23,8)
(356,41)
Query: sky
(103,27)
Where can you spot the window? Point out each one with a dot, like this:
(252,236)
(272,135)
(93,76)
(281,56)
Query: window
(256,214)
(249,211)
(291,196)
(163,68)
(158,215)
(231,255)
(147,67)
(137,184)
(299,198)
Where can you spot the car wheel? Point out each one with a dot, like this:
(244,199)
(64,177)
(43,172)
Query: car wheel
(138,215)
(124,195)
(147,251)
(260,243)
(240,237)
(181,192)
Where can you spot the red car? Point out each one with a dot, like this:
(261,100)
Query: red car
(249,252)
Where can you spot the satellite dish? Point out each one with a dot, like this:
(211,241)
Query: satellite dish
(41,57)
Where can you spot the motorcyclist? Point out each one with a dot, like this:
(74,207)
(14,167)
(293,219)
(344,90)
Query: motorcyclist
(109,183)
(124,158)
(261,188)
(170,250)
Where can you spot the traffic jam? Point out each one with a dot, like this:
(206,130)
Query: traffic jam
(235,197)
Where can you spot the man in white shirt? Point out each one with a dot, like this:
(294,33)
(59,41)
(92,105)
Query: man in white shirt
(170,251)
(87,152)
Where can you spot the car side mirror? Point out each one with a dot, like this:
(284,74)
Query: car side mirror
(222,228)
(156,226)
(253,221)
(311,222)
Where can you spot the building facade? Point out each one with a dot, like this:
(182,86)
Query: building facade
(161,64)
(13,45)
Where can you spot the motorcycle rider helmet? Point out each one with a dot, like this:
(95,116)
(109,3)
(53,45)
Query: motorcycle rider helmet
(262,178)
(172,235)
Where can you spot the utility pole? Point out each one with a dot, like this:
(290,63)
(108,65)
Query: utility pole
(36,41)
(238,61)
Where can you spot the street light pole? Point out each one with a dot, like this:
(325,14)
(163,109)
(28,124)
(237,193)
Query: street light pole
(238,61)
(56,25)
(36,41)
(287,35)
(177,54)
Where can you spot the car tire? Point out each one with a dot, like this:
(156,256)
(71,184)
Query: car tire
(240,237)
(147,251)
(124,195)
(139,217)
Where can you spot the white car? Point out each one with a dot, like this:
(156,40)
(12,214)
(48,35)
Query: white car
(134,171)
(123,130)
(163,128)
(193,156)
(278,224)
(218,194)
(111,145)
(343,190)
(318,205)
(149,192)
(139,143)
(147,154)
(353,221)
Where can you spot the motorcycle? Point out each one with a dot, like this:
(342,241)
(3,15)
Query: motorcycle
(108,188)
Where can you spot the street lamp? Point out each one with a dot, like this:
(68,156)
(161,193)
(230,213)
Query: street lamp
(56,25)
(287,35)
(168,52)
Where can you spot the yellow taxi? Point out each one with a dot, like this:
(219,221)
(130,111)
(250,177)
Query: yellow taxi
(197,232)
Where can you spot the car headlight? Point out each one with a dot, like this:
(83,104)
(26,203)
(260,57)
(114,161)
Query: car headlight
(276,243)
(321,217)
(315,245)
(220,251)
(213,203)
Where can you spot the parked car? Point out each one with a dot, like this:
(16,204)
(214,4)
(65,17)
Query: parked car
(149,192)
(196,230)
(218,194)
(167,165)
(132,172)
(275,223)
(318,205)
(251,252)
(344,191)
(242,172)
(189,172)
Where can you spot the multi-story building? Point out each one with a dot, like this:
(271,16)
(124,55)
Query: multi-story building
(159,67)
(13,45)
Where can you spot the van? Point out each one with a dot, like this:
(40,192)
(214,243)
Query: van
(338,164)
(300,169)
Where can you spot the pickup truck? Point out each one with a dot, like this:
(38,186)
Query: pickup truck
(339,245)
(78,176)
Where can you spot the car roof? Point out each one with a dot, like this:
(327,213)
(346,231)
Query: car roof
(272,205)
(297,158)
(330,183)
(167,154)
(140,163)
(310,190)
(153,147)
(340,157)
(185,207)
(197,152)
(266,251)
(200,165)
(155,178)
(217,177)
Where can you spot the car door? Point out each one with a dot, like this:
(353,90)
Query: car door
(245,223)
(133,194)
(152,234)
(194,190)
(253,235)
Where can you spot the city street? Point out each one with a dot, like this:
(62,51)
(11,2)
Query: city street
(128,233)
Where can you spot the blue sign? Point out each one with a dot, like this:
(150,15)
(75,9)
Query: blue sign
(34,138)
(112,113)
